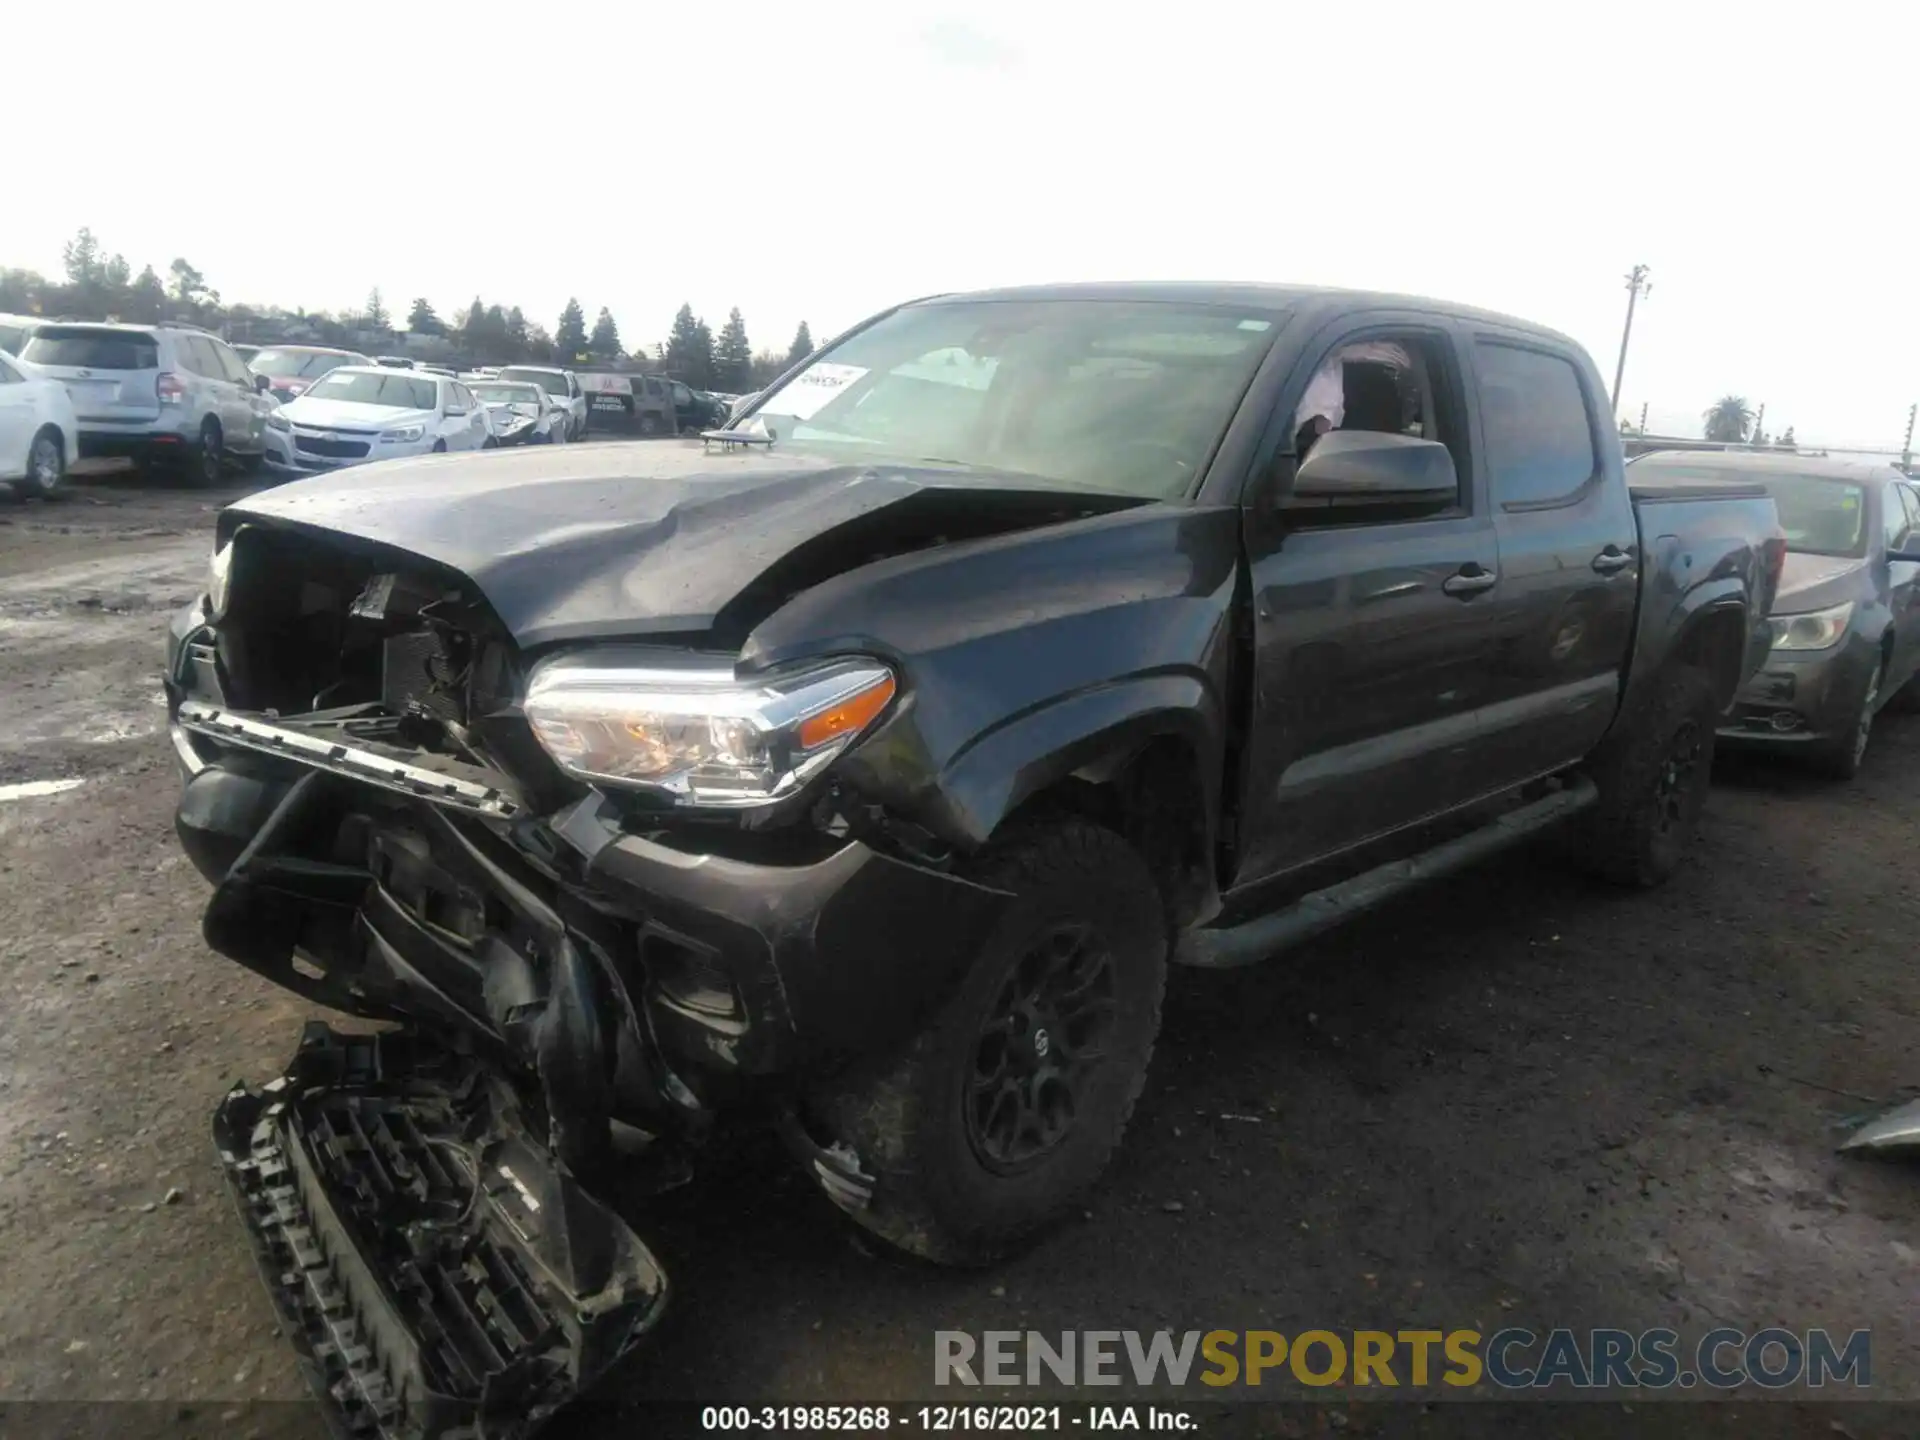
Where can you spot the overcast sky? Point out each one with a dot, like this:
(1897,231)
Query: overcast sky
(819,161)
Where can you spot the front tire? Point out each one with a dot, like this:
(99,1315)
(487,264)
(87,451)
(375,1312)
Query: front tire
(46,463)
(1652,774)
(1006,1107)
(1839,758)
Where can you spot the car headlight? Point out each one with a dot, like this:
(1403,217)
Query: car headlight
(402,434)
(701,737)
(219,576)
(1815,630)
(277,421)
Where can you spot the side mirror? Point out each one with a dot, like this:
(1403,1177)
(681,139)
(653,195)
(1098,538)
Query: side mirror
(262,384)
(1346,469)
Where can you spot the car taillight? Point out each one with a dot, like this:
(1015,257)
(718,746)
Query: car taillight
(169,388)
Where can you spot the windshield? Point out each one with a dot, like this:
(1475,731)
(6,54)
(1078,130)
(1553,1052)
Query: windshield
(93,349)
(289,364)
(11,337)
(399,390)
(548,381)
(1820,516)
(1120,396)
(507,394)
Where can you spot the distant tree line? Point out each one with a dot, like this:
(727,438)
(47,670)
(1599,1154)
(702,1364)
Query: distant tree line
(96,285)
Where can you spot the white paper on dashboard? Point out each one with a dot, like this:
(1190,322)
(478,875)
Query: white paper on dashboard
(813,389)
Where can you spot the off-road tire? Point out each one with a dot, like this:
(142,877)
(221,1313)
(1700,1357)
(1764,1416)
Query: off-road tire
(439,447)
(1638,831)
(1839,756)
(903,1114)
(650,424)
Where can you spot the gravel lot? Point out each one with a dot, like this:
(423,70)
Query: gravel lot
(1512,1100)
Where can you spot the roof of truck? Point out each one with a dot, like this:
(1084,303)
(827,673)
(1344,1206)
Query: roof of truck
(1246,295)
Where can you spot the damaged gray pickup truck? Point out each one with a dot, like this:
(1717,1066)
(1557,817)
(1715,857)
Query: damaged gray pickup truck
(871,760)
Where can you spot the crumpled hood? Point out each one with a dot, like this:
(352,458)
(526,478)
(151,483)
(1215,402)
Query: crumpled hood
(1813,582)
(623,540)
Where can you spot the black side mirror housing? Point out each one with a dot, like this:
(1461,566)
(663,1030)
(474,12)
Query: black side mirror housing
(262,384)
(1348,469)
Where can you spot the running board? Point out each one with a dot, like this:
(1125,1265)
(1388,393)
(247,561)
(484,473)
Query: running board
(1267,935)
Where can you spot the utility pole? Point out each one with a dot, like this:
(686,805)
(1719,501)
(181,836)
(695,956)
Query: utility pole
(1643,415)
(1906,446)
(1758,420)
(1637,285)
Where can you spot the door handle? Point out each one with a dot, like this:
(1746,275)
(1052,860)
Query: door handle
(1611,559)
(1468,583)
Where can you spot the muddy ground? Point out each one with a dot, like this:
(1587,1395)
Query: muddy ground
(1516,1099)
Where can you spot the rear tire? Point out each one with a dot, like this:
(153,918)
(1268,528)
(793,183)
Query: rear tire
(206,465)
(46,464)
(1652,774)
(649,424)
(1006,1107)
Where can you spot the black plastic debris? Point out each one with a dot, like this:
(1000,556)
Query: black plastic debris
(439,1274)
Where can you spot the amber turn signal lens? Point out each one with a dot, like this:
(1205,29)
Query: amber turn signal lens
(849,717)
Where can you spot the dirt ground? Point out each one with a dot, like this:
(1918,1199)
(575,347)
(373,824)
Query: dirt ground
(1515,1099)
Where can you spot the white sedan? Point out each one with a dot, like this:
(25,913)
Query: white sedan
(39,437)
(359,413)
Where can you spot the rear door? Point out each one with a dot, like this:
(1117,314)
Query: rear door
(1569,556)
(1372,638)
(110,373)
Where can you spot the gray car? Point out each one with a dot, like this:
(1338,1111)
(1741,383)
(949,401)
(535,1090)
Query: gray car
(168,396)
(1846,621)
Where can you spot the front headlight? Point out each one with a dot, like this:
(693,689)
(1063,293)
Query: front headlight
(402,435)
(219,576)
(1815,630)
(701,737)
(277,421)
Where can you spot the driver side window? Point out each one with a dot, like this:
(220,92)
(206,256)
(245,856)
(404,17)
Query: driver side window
(1390,382)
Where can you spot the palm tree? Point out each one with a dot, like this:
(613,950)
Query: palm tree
(1727,420)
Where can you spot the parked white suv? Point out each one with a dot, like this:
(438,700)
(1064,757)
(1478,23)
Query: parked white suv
(39,437)
(562,385)
(163,395)
(359,413)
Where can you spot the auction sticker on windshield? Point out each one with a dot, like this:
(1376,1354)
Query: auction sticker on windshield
(813,389)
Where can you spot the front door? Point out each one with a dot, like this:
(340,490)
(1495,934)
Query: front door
(1372,642)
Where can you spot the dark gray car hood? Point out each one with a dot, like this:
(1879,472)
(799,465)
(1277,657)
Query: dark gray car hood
(605,540)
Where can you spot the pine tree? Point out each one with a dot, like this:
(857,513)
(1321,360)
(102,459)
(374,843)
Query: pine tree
(604,343)
(802,345)
(689,352)
(377,317)
(733,356)
(570,336)
(422,321)
(146,298)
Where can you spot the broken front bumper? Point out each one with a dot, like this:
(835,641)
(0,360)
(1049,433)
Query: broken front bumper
(438,1273)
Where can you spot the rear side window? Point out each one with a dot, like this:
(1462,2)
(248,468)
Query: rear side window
(9,375)
(12,337)
(93,349)
(1539,436)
